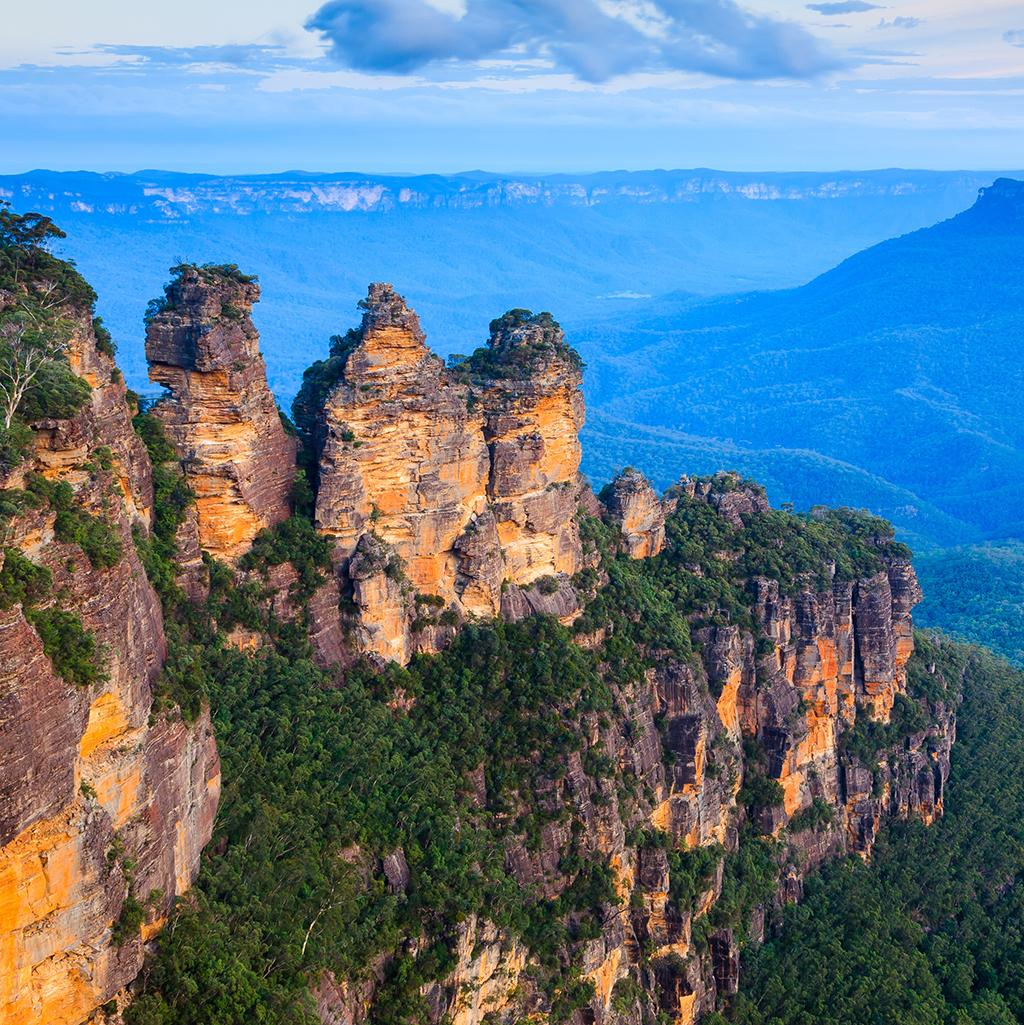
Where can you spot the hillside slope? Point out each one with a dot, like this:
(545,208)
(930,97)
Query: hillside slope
(464,246)
(930,931)
(903,363)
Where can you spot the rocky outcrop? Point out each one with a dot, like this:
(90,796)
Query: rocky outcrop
(470,476)
(105,800)
(763,732)
(202,346)
(403,456)
(635,507)
(529,383)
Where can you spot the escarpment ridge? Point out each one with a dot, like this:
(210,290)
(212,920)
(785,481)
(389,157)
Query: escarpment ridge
(106,800)
(526,753)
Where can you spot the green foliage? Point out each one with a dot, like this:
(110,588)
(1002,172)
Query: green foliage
(211,271)
(690,872)
(976,593)
(547,584)
(129,921)
(297,541)
(318,381)
(338,767)
(15,443)
(26,262)
(21,580)
(749,880)
(867,737)
(790,548)
(171,499)
(627,995)
(56,394)
(104,340)
(95,535)
(818,815)
(69,646)
(759,791)
(525,341)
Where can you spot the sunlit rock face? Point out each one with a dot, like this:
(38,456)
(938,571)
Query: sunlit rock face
(102,798)
(240,462)
(635,507)
(469,475)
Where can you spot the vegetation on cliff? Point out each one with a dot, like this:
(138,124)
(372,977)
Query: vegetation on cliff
(328,776)
(39,297)
(930,932)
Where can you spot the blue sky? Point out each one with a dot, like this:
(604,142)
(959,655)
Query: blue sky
(511,85)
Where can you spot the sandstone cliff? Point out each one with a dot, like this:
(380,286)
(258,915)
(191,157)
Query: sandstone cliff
(789,734)
(638,512)
(105,802)
(445,489)
(202,346)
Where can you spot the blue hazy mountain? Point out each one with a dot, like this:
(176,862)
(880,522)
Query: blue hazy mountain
(894,381)
(465,248)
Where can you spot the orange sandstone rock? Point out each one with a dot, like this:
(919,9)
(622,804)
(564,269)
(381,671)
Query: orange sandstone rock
(202,346)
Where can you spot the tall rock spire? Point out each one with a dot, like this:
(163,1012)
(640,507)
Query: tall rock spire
(202,346)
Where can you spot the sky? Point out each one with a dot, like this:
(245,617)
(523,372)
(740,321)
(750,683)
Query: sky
(420,86)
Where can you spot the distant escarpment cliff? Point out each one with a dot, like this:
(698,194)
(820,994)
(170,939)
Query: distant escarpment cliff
(497,748)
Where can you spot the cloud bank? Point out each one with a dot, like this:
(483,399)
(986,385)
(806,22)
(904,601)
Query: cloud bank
(594,40)
(241,54)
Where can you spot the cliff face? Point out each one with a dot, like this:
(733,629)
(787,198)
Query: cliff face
(759,744)
(202,346)
(444,488)
(639,514)
(105,803)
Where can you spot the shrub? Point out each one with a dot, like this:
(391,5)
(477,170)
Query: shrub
(547,585)
(95,535)
(70,647)
(22,581)
(15,442)
(104,341)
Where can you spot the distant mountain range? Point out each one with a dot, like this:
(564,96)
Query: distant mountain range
(168,195)
(465,248)
(893,381)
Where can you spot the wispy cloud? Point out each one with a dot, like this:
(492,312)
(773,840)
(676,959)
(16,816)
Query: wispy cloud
(843,7)
(594,40)
(243,54)
(900,22)
(1015,37)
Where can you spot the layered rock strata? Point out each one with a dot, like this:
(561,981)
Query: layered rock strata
(105,802)
(453,485)
(239,461)
(779,700)
(639,514)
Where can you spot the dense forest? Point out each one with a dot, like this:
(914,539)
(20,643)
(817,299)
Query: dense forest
(932,931)
(976,593)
